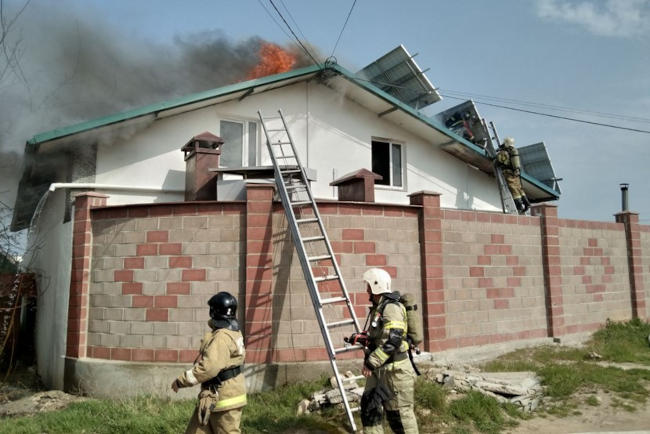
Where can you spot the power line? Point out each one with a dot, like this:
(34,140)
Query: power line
(274,19)
(293,20)
(343,28)
(293,33)
(549,106)
(555,116)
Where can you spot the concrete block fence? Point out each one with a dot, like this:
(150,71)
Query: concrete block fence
(142,274)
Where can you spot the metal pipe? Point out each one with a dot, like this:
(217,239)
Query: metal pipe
(624,197)
(58,185)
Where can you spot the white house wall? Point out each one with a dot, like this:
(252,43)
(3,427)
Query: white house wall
(332,134)
(48,254)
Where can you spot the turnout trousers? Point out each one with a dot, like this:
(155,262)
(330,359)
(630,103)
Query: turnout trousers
(399,378)
(221,422)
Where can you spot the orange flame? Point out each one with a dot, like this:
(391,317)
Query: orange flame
(273,60)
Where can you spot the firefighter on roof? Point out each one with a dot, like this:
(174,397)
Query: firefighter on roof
(390,375)
(508,159)
(218,368)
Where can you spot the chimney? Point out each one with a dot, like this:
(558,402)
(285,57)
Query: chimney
(201,153)
(357,186)
(624,203)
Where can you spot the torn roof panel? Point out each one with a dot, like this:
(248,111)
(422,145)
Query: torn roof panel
(397,74)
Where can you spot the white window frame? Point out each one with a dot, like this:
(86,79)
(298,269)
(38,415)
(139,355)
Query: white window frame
(245,139)
(402,146)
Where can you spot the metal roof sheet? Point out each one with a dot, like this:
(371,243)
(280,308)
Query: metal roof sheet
(399,75)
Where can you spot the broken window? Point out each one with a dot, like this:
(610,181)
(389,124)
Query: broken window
(387,162)
(240,143)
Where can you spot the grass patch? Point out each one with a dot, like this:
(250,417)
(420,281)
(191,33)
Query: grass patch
(484,412)
(623,341)
(593,401)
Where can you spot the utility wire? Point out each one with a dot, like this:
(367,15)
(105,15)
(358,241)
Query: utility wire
(549,106)
(293,33)
(343,28)
(274,19)
(293,20)
(554,116)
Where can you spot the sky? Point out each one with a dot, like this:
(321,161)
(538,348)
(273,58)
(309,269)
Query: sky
(586,56)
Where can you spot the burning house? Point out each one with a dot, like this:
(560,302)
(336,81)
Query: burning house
(158,208)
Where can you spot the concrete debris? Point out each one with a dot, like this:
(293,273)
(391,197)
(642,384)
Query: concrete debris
(328,397)
(38,402)
(520,388)
(594,356)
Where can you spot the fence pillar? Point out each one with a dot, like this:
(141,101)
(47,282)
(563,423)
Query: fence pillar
(433,294)
(635,261)
(259,272)
(551,261)
(76,343)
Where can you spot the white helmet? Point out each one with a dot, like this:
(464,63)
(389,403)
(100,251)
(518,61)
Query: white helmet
(509,141)
(378,279)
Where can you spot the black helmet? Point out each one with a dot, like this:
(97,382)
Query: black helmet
(223,310)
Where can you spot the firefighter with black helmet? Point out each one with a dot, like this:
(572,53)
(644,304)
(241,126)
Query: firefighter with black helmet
(218,368)
(390,375)
(508,159)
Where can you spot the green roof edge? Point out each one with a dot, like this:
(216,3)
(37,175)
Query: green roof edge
(238,87)
(166,105)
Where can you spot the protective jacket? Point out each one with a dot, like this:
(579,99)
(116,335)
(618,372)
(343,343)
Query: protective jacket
(221,350)
(387,332)
(508,158)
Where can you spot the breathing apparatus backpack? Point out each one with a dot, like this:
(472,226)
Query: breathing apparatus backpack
(414,332)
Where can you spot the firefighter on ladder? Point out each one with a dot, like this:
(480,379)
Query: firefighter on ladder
(508,159)
(218,369)
(390,375)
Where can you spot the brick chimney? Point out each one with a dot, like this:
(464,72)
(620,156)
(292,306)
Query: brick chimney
(201,154)
(357,186)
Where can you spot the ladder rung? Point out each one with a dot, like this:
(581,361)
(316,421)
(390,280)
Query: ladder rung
(275,129)
(340,323)
(353,409)
(324,278)
(301,203)
(296,186)
(333,300)
(309,239)
(319,258)
(310,220)
(350,348)
(284,157)
(281,143)
(290,171)
(355,378)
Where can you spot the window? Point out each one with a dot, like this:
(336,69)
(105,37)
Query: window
(387,162)
(240,147)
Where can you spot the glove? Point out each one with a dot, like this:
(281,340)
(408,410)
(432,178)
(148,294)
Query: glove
(207,401)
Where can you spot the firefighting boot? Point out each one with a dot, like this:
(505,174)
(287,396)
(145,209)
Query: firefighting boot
(526,203)
(520,205)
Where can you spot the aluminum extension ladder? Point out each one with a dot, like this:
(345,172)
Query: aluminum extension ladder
(312,244)
(507,202)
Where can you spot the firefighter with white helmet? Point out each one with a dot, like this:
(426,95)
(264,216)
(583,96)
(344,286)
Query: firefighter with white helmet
(508,159)
(390,375)
(218,368)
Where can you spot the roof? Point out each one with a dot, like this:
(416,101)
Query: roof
(385,105)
